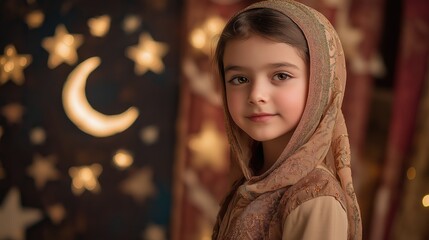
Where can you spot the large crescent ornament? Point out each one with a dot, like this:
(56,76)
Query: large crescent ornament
(80,111)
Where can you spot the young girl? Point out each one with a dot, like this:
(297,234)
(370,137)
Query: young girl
(283,74)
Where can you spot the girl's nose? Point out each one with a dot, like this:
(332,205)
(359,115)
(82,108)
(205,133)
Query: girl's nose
(258,93)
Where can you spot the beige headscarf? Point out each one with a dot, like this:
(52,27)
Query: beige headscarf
(321,135)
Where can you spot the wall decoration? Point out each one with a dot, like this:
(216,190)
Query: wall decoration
(35,19)
(80,111)
(62,47)
(139,185)
(13,112)
(85,178)
(12,65)
(43,170)
(208,148)
(131,23)
(147,55)
(71,64)
(99,26)
(14,218)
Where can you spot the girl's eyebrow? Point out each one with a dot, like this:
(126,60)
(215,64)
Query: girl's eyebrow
(232,68)
(271,65)
(283,64)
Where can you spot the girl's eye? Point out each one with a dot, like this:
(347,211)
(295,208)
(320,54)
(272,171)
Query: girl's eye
(282,76)
(238,80)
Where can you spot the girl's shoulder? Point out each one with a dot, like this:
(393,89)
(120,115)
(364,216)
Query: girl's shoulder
(318,183)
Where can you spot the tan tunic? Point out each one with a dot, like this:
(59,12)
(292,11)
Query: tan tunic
(304,222)
(313,208)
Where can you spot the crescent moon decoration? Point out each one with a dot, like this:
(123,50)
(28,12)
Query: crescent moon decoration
(81,113)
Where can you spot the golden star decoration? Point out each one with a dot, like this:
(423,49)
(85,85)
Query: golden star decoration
(205,37)
(13,112)
(147,55)
(62,47)
(43,170)
(85,177)
(154,232)
(131,23)
(56,213)
(14,219)
(34,19)
(123,159)
(149,135)
(139,185)
(37,136)
(99,26)
(209,147)
(12,65)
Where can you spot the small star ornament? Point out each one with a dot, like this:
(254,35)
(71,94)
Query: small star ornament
(35,19)
(99,26)
(43,170)
(149,135)
(201,82)
(62,47)
(85,178)
(208,147)
(123,159)
(14,219)
(206,36)
(37,136)
(154,232)
(13,112)
(12,65)
(147,55)
(131,23)
(139,185)
(56,213)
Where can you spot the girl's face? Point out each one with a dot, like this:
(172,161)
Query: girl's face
(266,87)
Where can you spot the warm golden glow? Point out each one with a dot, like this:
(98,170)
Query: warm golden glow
(99,26)
(35,19)
(85,177)
(13,112)
(205,37)
(149,135)
(131,23)
(14,217)
(425,201)
(62,47)
(198,38)
(208,147)
(43,170)
(147,55)
(123,159)
(80,111)
(56,213)
(155,232)
(37,136)
(411,173)
(139,185)
(12,65)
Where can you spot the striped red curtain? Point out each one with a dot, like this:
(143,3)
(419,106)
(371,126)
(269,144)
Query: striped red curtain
(202,147)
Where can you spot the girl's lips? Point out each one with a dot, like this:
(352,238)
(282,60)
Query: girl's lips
(261,117)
